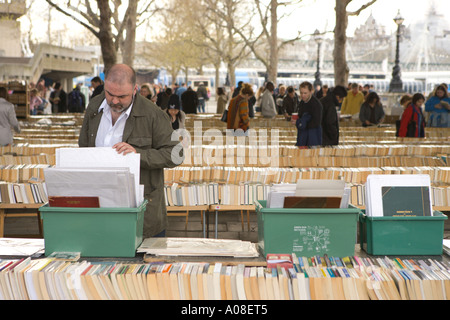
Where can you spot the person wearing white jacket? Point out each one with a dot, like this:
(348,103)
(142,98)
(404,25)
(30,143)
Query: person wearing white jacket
(268,109)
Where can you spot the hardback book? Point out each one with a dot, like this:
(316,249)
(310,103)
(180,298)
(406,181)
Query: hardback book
(75,202)
(400,201)
(312,202)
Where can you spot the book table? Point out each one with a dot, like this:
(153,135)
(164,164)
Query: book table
(20,210)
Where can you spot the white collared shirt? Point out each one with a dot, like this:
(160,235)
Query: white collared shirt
(107,133)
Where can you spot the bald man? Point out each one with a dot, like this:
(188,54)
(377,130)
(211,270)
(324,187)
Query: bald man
(128,122)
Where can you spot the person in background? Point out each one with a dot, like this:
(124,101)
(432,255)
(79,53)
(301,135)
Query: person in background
(325,90)
(163,98)
(58,99)
(279,99)
(202,95)
(176,116)
(35,101)
(221,100)
(76,101)
(251,105)
(290,102)
(309,122)
(412,123)
(258,97)
(405,100)
(8,119)
(182,89)
(268,108)
(330,119)
(352,103)
(189,101)
(321,92)
(97,84)
(238,109)
(146,91)
(371,113)
(237,90)
(122,119)
(438,107)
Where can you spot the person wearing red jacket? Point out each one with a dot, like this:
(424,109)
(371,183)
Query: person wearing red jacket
(412,123)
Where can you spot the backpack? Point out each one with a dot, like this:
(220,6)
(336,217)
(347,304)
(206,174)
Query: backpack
(75,101)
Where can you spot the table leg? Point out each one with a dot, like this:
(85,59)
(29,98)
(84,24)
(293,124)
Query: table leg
(207,223)
(216,222)
(2,222)
(203,224)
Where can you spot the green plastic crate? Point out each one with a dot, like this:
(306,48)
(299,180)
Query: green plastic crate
(95,232)
(307,232)
(402,235)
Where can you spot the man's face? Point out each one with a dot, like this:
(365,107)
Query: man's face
(119,96)
(305,94)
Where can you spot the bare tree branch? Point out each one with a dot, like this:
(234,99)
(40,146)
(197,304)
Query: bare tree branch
(363,7)
(58,8)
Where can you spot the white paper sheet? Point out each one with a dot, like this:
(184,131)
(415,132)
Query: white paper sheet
(104,157)
(20,246)
(113,186)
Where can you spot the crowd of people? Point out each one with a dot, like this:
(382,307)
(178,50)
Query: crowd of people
(314,111)
(49,99)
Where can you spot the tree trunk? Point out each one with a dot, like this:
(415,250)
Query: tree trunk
(272,70)
(106,36)
(128,49)
(232,74)
(217,77)
(341,70)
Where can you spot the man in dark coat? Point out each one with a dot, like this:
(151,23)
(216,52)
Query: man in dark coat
(330,120)
(189,101)
(309,122)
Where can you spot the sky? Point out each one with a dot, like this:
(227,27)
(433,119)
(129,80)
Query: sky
(319,14)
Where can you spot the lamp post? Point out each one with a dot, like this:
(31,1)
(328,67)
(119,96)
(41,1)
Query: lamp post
(396,84)
(318,38)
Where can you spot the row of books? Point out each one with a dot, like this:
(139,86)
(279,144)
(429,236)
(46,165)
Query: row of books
(23,193)
(275,160)
(197,194)
(301,278)
(214,193)
(345,150)
(440,196)
(371,150)
(34,159)
(236,175)
(22,172)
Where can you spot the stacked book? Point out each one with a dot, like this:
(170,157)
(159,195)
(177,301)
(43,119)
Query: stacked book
(301,278)
(213,193)
(23,193)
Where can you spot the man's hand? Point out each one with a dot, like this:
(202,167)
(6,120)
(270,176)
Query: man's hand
(123,147)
